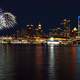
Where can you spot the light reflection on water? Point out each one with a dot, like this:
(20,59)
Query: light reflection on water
(78,63)
(6,64)
(78,54)
(51,67)
(39,62)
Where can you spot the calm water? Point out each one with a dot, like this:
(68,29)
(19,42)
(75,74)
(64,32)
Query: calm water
(39,62)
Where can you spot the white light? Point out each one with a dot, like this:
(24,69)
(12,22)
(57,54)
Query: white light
(53,42)
(27,25)
(39,25)
(51,39)
(65,20)
(51,68)
(75,29)
(7,20)
(31,25)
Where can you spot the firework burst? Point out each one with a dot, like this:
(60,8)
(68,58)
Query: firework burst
(7,20)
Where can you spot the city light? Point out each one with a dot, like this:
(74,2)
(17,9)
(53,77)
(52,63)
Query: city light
(39,25)
(51,39)
(35,34)
(75,29)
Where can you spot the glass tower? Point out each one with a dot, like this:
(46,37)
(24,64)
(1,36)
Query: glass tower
(78,25)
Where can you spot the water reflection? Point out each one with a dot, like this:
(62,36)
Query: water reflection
(39,55)
(78,54)
(51,67)
(6,63)
(2,62)
(78,63)
(72,64)
(39,62)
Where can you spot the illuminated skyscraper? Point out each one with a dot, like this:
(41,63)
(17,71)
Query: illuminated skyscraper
(78,25)
(29,30)
(39,30)
(66,27)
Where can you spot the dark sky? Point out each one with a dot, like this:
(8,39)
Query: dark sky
(48,12)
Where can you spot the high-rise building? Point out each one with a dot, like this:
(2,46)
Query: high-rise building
(30,30)
(66,27)
(39,30)
(78,25)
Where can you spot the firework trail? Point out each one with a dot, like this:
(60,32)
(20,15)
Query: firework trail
(7,20)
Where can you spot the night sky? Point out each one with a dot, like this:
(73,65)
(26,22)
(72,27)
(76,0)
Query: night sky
(48,12)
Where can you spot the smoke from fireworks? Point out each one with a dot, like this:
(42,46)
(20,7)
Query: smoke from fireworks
(7,20)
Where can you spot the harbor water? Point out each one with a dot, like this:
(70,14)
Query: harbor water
(39,62)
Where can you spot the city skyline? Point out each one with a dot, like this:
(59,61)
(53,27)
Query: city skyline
(47,22)
(55,22)
(31,12)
